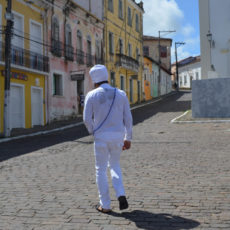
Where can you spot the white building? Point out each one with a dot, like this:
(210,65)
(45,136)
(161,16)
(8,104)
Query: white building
(189,69)
(215,38)
(210,95)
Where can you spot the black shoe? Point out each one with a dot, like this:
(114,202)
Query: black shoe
(123,204)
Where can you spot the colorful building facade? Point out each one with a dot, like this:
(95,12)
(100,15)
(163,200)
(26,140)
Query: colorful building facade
(75,36)
(161,63)
(123,46)
(150,78)
(29,67)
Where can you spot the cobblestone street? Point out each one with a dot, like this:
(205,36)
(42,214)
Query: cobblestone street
(176,176)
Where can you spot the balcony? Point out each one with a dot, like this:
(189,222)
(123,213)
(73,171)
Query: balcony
(69,52)
(80,56)
(127,62)
(89,59)
(25,58)
(56,48)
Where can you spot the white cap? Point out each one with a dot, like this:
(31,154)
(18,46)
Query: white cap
(98,73)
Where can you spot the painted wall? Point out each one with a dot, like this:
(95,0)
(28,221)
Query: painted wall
(154,51)
(66,105)
(93,6)
(121,29)
(210,98)
(33,80)
(215,56)
(156,75)
(148,79)
(188,73)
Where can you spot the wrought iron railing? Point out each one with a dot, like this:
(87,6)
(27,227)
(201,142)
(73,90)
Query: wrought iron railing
(69,52)
(127,62)
(89,59)
(25,58)
(80,56)
(56,47)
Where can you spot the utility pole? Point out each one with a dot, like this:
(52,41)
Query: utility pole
(8,33)
(159,57)
(177,75)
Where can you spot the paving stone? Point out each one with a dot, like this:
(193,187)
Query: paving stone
(176,177)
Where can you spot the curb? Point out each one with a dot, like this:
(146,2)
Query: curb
(175,120)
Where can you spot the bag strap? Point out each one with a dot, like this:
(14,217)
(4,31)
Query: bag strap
(108,112)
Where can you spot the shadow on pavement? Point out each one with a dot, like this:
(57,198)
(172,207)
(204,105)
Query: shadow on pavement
(27,145)
(15,148)
(150,221)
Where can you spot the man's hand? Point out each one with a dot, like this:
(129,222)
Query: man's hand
(127,145)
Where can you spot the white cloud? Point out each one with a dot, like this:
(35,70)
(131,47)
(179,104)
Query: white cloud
(181,53)
(161,15)
(193,41)
(188,30)
(186,50)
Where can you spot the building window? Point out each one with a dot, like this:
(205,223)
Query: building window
(111,46)
(180,81)
(68,43)
(122,83)
(112,79)
(146,51)
(120,9)
(89,57)
(57,85)
(121,47)
(197,76)
(68,35)
(129,50)
(36,57)
(79,51)
(137,54)
(56,48)
(129,17)
(79,40)
(110,5)
(98,57)
(137,23)
(131,90)
(55,29)
(185,79)
(17,52)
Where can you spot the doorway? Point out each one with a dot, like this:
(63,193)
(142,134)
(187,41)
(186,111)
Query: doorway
(80,95)
(37,106)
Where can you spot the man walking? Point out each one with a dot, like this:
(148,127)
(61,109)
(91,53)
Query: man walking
(107,116)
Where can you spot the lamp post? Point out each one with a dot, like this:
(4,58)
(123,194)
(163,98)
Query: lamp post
(159,57)
(177,75)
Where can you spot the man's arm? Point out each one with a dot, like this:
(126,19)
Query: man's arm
(128,122)
(88,114)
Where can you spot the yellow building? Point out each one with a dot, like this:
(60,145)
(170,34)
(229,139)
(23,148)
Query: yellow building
(147,78)
(29,66)
(124,46)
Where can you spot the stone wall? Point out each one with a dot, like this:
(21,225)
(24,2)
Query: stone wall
(211,98)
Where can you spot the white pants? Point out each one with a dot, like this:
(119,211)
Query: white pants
(107,154)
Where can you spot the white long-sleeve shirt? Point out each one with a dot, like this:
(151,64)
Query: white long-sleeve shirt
(118,125)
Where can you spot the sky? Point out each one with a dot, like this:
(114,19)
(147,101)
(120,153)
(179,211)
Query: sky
(179,15)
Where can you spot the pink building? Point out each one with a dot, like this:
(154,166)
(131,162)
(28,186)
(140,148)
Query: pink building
(75,36)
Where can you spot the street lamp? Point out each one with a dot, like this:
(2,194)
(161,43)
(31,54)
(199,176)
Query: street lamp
(159,54)
(177,76)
